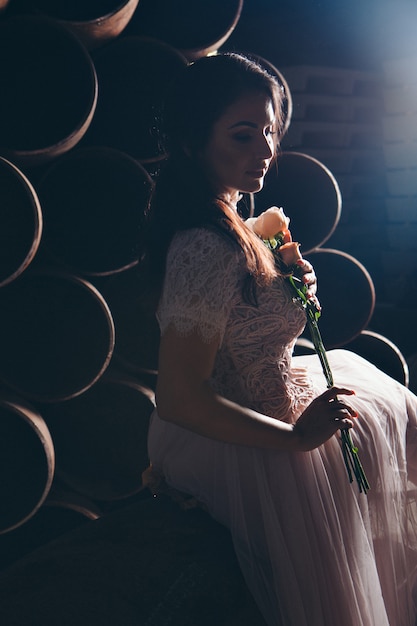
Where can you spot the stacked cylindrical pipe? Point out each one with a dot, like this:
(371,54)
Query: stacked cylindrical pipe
(79,151)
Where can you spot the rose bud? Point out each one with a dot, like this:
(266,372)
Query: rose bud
(290,253)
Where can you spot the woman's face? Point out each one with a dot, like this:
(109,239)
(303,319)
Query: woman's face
(241,146)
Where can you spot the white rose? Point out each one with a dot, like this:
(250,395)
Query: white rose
(269,223)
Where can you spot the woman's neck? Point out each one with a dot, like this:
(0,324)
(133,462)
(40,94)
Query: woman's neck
(231,198)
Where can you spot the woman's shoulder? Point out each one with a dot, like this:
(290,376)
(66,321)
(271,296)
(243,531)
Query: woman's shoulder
(204,241)
(203,279)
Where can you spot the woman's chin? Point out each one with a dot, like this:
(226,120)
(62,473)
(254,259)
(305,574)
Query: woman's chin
(255,186)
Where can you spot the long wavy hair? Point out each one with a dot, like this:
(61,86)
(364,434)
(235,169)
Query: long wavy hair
(183,197)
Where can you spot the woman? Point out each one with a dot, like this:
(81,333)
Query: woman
(243,426)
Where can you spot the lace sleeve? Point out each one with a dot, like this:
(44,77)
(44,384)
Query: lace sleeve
(202,278)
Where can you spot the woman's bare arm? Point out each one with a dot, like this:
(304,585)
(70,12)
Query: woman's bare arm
(185,397)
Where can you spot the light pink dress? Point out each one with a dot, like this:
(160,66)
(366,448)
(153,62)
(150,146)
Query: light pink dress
(313,550)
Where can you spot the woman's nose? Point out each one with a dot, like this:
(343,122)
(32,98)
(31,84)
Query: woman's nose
(266,147)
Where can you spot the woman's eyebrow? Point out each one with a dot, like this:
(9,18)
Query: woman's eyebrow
(244,123)
(247,123)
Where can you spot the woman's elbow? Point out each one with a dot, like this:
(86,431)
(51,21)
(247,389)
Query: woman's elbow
(168,408)
(179,405)
(162,408)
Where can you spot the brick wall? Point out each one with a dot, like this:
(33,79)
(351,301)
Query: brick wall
(363,126)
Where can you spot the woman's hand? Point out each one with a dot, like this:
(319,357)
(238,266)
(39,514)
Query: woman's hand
(308,276)
(185,397)
(323,417)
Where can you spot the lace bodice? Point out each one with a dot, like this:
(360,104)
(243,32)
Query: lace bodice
(203,292)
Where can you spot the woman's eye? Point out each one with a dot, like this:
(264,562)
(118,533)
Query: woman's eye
(242,138)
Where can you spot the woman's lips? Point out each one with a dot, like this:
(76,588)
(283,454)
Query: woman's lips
(257,173)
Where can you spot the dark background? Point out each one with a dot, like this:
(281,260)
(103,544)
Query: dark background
(378,225)
(354,43)
(345,33)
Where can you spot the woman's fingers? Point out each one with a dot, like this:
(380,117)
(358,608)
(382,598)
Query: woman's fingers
(333,392)
(335,404)
(342,407)
(339,411)
(308,277)
(305,266)
(327,414)
(315,300)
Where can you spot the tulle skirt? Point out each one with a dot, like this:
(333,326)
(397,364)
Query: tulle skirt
(313,550)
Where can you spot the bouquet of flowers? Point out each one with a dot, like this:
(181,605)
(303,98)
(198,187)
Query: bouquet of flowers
(272,227)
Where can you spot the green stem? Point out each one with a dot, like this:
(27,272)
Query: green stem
(319,347)
(352,452)
(349,451)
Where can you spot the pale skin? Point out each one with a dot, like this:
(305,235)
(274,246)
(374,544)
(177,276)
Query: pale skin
(237,157)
